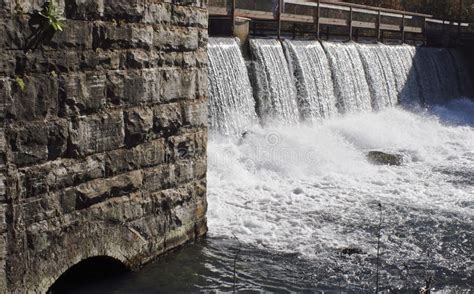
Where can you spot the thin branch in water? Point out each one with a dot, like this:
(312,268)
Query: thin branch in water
(235,260)
(378,249)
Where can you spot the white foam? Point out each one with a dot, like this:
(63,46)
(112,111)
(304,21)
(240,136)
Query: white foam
(251,184)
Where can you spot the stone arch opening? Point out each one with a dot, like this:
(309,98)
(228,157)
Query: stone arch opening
(88,271)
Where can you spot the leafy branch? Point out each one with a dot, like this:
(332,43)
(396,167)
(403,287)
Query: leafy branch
(50,13)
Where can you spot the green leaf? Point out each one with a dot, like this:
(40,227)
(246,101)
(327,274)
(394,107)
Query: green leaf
(21,84)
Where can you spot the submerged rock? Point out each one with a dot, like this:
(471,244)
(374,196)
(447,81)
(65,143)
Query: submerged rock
(351,251)
(382,158)
(298,191)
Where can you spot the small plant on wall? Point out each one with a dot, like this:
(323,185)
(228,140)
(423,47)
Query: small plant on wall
(44,24)
(49,12)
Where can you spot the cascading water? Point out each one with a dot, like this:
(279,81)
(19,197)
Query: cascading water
(350,81)
(231,105)
(315,89)
(380,76)
(401,60)
(437,75)
(276,92)
(303,200)
(466,86)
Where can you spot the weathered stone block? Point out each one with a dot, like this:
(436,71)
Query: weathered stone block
(32,6)
(75,34)
(157,13)
(176,38)
(98,190)
(84,9)
(201,58)
(15,32)
(126,9)
(190,16)
(202,83)
(203,36)
(183,146)
(55,175)
(96,133)
(8,63)
(5,96)
(139,58)
(178,84)
(82,92)
(196,113)
(58,134)
(138,125)
(162,177)
(34,96)
(99,59)
(48,62)
(37,142)
(142,156)
(167,118)
(2,188)
(132,35)
(133,87)
(29,143)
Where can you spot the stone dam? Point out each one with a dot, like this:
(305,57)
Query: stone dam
(121,118)
(103,134)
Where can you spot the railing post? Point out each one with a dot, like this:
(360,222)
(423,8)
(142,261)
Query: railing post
(280,10)
(318,15)
(403,28)
(232,11)
(350,24)
(378,25)
(459,19)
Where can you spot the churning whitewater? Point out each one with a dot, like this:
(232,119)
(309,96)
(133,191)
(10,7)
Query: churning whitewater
(310,190)
(302,184)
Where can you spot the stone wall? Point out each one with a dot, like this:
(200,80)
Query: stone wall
(103,134)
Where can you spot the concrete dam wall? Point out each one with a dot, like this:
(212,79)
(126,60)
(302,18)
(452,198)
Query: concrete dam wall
(103,134)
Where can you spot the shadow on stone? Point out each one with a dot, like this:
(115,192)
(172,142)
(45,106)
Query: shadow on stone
(89,271)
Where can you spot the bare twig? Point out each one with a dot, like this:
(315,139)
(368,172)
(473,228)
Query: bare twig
(428,285)
(235,260)
(378,249)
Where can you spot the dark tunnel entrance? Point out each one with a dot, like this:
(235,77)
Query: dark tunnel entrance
(89,271)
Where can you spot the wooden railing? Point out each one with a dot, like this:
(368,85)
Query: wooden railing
(319,13)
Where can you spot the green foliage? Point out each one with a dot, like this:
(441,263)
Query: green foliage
(52,16)
(20,83)
(443,9)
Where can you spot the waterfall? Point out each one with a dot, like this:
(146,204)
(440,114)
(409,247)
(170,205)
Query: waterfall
(314,85)
(380,76)
(313,81)
(275,89)
(463,75)
(351,86)
(437,75)
(401,60)
(231,105)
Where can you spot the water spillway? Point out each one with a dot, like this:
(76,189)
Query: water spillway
(231,105)
(350,81)
(401,62)
(380,75)
(313,80)
(275,88)
(294,81)
(437,75)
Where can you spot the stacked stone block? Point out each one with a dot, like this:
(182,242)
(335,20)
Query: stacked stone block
(103,134)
